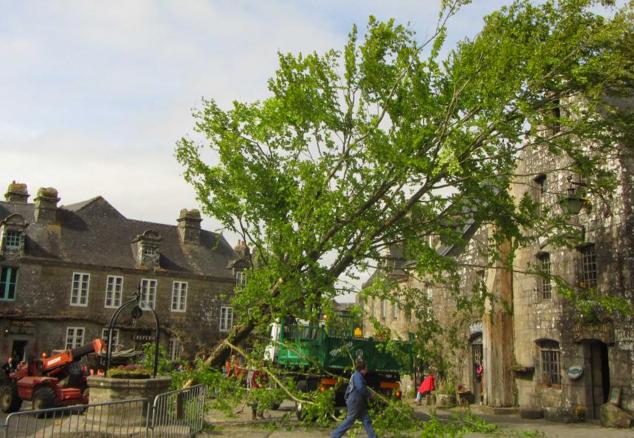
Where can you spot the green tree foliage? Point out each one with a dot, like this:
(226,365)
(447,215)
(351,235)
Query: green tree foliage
(385,142)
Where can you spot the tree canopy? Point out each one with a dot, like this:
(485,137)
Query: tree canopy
(386,141)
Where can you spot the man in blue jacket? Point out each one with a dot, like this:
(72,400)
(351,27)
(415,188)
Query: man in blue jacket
(357,395)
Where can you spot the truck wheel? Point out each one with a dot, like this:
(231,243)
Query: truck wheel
(44,397)
(9,400)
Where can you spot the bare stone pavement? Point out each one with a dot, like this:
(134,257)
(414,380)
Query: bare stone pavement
(242,426)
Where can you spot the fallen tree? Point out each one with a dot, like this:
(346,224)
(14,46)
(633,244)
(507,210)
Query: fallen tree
(385,142)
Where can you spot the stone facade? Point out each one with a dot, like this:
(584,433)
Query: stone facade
(547,324)
(66,269)
(537,350)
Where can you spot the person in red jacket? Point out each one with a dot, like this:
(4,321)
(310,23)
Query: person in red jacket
(255,379)
(426,387)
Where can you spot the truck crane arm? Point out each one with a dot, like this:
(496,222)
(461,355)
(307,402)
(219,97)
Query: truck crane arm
(64,358)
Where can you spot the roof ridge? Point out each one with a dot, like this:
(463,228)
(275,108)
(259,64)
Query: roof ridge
(140,221)
(76,206)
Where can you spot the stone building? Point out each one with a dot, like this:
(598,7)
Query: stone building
(65,269)
(460,340)
(567,360)
(542,351)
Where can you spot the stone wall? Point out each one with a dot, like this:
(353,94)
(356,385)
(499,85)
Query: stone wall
(512,333)
(43,304)
(582,343)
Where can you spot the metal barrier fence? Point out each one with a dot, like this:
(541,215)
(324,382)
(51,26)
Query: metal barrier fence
(179,413)
(172,414)
(118,418)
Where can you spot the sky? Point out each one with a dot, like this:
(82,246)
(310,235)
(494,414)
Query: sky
(94,95)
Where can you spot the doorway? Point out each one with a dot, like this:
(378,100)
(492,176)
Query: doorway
(598,377)
(18,349)
(476,368)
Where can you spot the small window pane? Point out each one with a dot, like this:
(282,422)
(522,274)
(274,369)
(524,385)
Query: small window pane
(179,296)
(545,286)
(115,337)
(79,289)
(8,281)
(226,318)
(174,349)
(550,362)
(395,310)
(12,240)
(114,291)
(74,337)
(588,267)
(148,294)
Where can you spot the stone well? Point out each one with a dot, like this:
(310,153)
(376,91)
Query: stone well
(108,389)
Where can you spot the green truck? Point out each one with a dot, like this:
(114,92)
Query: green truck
(319,357)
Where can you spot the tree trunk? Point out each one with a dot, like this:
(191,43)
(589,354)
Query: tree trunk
(221,352)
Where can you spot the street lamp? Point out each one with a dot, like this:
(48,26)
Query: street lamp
(572,203)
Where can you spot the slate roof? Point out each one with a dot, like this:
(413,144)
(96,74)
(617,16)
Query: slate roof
(94,232)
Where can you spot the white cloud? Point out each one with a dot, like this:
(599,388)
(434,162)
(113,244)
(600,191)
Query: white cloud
(95,94)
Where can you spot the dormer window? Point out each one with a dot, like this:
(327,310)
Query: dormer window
(12,240)
(12,231)
(147,249)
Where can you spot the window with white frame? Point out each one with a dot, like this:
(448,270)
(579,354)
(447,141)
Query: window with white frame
(74,337)
(114,291)
(8,282)
(383,309)
(148,293)
(174,349)
(179,296)
(226,318)
(241,278)
(149,251)
(395,310)
(79,289)
(115,337)
(12,240)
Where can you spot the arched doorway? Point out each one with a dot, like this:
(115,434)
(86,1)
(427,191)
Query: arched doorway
(597,376)
(476,367)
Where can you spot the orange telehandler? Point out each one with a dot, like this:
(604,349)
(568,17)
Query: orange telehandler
(49,382)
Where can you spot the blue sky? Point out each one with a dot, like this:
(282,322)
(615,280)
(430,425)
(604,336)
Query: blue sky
(94,95)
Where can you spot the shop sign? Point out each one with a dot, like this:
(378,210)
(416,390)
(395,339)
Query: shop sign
(575,372)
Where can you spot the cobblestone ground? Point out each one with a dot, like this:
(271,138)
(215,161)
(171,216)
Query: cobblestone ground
(512,426)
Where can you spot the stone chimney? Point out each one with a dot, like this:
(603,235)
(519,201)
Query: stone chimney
(16,192)
(189,226)
(244,256)
(46,205)
(242,249)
